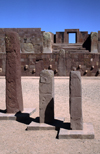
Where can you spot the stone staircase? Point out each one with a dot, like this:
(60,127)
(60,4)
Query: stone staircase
(77,47)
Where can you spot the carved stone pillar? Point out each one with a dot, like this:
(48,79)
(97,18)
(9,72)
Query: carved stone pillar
(14,101)
(94,42)
(75,100)
(46,96)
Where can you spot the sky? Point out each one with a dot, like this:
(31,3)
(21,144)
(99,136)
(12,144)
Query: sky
(51,15)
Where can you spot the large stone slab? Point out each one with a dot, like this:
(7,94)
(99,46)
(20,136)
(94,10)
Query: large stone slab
(75,101)
(56,124)
(75,84)
(24,114)
(40,126)
(86,133)
(62,63)
(14,100)
(47,42)
(94,42)
(46,96)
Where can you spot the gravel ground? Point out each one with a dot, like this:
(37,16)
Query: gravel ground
(15,139)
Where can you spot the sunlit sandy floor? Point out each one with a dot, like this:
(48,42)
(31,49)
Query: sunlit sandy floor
(15,139)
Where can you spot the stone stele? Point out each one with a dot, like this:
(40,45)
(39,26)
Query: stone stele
(46,96)
(94,42)
(14,101)
(47,42)
(75,101)
(62,63)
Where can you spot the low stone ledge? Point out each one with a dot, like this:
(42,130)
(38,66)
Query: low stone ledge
(86,133)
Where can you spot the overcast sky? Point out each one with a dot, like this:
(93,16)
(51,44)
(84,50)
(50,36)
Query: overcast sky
(51,15)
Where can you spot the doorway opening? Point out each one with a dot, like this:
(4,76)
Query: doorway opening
(72,37)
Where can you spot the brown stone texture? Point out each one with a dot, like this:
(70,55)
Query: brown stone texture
(33,44)
(59,37)
(99,41)
(83,36)
(94,42)
(47,42)
(70,60)
(46,96)
(30,39)
(14,101)
(66,35)
(75,100)
(61,63)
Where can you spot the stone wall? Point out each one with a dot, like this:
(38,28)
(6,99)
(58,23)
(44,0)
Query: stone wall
(62,37)
(30,39)
(98,41)
(59,37)
(39,52)
(90,63)
(94,42)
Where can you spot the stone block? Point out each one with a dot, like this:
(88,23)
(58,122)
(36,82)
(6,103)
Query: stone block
(39,126)
(47,42)
(62,63)
(55,125)
(75,101)
(23,115)
(46,108)
(14,101)
(46,82)
(99,41)
(46,96)
(76,124)
(76,107)
(86,133)
(94,42)
(75,84)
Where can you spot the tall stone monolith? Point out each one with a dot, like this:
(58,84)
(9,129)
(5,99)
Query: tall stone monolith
(94,42)
(62,63)
(75,101)
(47,42)
(46,96)
(14,101)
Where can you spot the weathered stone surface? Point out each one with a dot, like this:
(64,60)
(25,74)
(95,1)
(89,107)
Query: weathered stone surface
(76,107)
(75,84)
(99,41)
(27,47)
(31,40)
(14,101)
(86,133)
(75,101)
(47,42)
(57,123)
(62,63)
(94,42)
(46,96)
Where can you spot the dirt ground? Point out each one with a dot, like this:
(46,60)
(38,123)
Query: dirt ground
(14,139)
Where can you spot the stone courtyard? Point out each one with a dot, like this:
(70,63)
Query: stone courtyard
(15,138)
